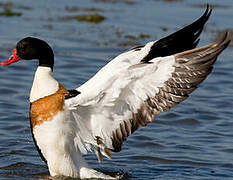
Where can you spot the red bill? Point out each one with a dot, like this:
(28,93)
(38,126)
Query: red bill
(13,58)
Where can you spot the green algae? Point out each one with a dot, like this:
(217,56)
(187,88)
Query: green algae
(8,12)
(142,36)
(91,18)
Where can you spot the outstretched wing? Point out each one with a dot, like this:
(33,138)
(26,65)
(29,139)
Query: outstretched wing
(128,92)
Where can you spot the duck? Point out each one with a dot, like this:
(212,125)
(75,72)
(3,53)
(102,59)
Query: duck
(123,96)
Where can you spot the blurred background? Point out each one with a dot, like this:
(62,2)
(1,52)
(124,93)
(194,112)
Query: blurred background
(191,141)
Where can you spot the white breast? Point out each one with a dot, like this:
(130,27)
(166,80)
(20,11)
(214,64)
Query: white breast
(55,139)
(44,84)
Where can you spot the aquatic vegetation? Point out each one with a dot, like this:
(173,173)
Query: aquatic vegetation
(164,28)
(142,36)
(8,12)
(133,40)
(130,37)
(91,18)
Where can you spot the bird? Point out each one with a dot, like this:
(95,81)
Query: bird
(123,96)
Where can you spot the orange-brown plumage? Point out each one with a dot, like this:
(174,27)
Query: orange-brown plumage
(44,109)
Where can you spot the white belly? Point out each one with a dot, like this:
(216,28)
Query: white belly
(55,139)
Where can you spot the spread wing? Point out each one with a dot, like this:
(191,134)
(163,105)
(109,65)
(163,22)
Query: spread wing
(129,91)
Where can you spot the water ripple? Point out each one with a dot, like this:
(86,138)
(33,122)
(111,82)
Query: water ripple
(191,141)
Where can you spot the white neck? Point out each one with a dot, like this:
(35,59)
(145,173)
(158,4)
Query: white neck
(43,84)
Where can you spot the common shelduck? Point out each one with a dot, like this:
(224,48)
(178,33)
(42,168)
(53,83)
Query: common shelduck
(124,95)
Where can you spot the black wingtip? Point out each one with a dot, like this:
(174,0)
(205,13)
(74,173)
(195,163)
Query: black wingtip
(208,11)
(185,39)
(204,18)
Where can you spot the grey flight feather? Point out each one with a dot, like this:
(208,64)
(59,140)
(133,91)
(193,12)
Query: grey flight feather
(191,68)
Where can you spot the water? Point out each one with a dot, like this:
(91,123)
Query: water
(191,141)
